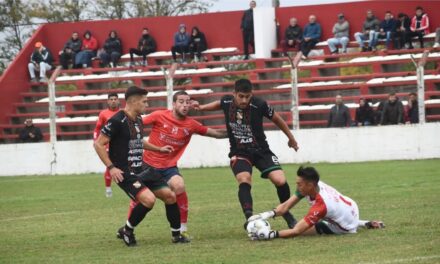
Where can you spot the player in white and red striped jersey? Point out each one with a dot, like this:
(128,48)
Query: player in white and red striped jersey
(330,211)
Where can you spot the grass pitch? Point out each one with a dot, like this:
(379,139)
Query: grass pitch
(67,219)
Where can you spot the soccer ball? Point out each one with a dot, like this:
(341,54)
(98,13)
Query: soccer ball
(258,227)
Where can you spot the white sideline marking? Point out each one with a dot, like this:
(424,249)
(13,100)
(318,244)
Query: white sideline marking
(35,216)
(404,260)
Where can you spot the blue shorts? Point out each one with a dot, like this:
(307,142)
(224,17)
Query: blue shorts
(168,173)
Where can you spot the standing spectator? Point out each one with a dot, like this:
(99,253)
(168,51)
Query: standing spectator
(341,31)
(30,133)
(437,38)
(292,36)
(364,114)
(412,109)
(311,36)
(71,48)
(369,30)
(247,28)
(89,49)
(181,43)
(41,60)
(387,29)
(146,45)
(403,27)
(112,50)
(419,27)
(392,112)
(339,114)
(197,44)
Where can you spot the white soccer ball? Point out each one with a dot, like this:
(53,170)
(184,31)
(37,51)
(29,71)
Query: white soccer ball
(258,227)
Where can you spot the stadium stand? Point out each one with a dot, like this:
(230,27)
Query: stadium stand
(82,93)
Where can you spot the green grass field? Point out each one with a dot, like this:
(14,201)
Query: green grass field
(67,219)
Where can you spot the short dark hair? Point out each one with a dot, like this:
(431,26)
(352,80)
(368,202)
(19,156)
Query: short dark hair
(413,94)
(112,95)
(145,28)
(134,90)
(419,8)
(243,86)
(400,15)
(176,94)
(392,94)
(309,174)
(388,12)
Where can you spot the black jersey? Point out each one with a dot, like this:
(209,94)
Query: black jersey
(245,126)
(126,146)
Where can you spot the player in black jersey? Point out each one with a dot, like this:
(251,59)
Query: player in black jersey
(248,146)
(124,134)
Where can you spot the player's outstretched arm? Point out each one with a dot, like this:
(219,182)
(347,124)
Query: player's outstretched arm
(281,124)
(152,147)
(213,106)
(301,228)
(101,150)
(279,210)
(217,133)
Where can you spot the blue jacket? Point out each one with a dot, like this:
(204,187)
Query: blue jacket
(312,31)
(389,25)
(181,39)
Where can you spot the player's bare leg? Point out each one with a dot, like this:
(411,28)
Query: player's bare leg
(177,185)
(172,212)
(108,184)
(283,190)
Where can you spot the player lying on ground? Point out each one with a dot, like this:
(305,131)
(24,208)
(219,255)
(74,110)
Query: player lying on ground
(174,128)
(124,134)
(244,115)
(104,116)
(330,211)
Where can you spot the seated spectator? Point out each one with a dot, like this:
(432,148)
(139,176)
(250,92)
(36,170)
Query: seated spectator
(197,44)
(412,109)
(369,30)
(89,48)
(112,50)
(339,114)
(378,112)
(341,32)
(41,60)
(181,43)
(311,36)
(71,48)
(30,133)
(419,27)
(392,113)
(364,114)
(292,36)
(387,29)
(146,45)
(437,38)
(403,26)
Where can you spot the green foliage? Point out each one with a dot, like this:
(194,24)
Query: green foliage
(67,219)
(65,87)
(60,10)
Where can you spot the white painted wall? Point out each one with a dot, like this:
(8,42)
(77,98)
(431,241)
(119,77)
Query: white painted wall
(264,31)
(316,145)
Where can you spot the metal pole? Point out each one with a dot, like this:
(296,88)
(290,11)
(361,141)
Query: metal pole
(295,101)
(52,118)
(169,75)
(420,69)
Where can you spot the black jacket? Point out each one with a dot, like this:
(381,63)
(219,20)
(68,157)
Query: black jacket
(200,40)
(147,42)
(24,134)
(113,45)
(392,113)
(45,56)
(293,33)
(247,21)
(364,114)
(339,116)
(406,24)
(413,113)
(74,45)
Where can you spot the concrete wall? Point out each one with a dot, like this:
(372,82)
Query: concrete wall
(316,145)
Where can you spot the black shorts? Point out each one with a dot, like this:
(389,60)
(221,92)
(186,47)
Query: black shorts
(264,160)
(133,184)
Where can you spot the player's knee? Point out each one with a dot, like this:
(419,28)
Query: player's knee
(244,178)
(147,199)
(178,187)
(277,179)
(169,197)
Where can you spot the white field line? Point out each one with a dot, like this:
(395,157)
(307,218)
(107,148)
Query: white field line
(404,260)
(35,216)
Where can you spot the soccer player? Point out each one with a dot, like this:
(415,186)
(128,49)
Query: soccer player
(248,146)
(104,116)
(124,135)
(174,128)
(330,211)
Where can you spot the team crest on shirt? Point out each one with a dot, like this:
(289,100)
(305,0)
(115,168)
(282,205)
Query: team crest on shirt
(239,117)
(186,132)
(175,130)
(275,160)
(137,184)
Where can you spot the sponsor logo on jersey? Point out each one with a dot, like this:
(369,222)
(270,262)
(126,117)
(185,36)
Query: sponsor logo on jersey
(275,159)
(137,184)
(246,140)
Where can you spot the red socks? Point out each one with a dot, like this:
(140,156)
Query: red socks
(182,202)
(107,178)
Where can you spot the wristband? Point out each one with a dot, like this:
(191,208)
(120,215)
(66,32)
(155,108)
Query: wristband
(111,166)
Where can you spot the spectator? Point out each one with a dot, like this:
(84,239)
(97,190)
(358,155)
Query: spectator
(341,32)
(403,27)
(369,30)
(339,114)
(71,48)
(387,29)
(378,112)
(392,112)
(437,38)
(364,114)
(181,43)
(412,109)
(41,60)
(292,36)
(146,45)
(30,133)
(89,48)
(112,50)
(419,27)
(197,44)
(247,28)
(311,36)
